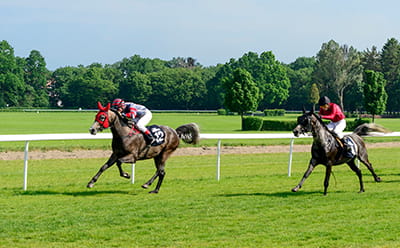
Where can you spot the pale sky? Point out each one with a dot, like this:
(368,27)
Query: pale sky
(70,33)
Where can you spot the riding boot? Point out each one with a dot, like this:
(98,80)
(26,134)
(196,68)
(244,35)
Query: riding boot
(347,149)
(149,137)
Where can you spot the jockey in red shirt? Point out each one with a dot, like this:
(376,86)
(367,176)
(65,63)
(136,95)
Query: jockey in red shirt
(332,112)
(337,124)
(139,114)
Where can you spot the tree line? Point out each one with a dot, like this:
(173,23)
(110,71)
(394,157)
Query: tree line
(338,71)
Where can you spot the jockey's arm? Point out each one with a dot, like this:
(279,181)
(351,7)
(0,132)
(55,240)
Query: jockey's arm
(131,113)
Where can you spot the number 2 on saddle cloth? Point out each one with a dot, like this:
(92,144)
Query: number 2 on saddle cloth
(155,130)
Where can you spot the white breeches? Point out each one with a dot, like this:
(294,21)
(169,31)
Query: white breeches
(337,127)
(142,122)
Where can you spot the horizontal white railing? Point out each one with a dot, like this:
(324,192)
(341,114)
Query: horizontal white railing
(82,136)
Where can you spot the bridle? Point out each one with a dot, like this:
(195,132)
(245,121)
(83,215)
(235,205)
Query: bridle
(102,116)
(304,122)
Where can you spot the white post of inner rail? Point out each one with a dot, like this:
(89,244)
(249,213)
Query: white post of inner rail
(290,157)
(218,159)
(133,173)
(26,165)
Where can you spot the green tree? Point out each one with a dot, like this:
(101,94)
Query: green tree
(299,73)
(176,88)
(337,68)
(268,74)
(371,59)
(314,95)
(135,87)
(390,60)
(12,86)
(85,91)
(59,85)
(375,96)
(36,75)
(241,92)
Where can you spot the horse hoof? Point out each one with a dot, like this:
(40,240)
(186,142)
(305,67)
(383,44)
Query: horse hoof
(295,189)
(126,175)
(153,192)
(90,185)
(378,179)
(145,186)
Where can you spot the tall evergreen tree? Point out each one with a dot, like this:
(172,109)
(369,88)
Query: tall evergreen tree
(375,96)
(314,95)
(390,61)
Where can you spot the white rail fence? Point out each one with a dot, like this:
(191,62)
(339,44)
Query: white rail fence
(82,136)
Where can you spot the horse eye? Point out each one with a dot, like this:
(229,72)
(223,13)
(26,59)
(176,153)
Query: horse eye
(102,118)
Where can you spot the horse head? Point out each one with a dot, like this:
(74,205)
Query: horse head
(304,123)
(102,120)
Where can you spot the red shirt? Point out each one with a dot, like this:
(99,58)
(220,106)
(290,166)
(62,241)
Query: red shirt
(334,113)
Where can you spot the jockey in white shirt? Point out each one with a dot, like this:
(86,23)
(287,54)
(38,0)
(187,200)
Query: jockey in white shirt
(139,114)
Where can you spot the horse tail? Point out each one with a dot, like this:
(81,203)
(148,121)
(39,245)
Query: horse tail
(367,128)
(189,133)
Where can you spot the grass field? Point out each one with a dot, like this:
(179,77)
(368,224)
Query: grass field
(251,206)
(79,122)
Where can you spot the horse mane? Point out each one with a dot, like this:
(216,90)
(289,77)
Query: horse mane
(323,124)
(122,118)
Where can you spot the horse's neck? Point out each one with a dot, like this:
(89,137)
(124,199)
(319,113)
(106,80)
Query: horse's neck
(118,128)
(320,134)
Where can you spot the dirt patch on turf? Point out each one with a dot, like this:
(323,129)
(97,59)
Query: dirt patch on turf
(187,151)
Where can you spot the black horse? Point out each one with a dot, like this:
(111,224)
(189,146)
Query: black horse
(129,145)
(328,150)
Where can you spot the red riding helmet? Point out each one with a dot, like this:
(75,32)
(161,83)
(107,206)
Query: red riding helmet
(118,103)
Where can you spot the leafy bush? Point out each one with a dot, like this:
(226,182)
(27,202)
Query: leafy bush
(272,125)
(252,123)
(274,112)
(222,112)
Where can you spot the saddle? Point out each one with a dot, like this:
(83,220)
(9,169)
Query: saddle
(348,146)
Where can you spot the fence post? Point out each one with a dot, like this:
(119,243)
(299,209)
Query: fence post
(218,159)
(290,157)
(26,165)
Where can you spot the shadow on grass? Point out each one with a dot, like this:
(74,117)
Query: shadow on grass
(79,193)
(284,194)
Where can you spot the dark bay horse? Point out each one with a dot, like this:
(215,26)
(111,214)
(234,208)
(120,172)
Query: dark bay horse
(327,150)
(129,147)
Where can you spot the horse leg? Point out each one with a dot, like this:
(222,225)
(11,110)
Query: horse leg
(328,173)
(364,159)
(310,169)
(160,173)
(107,165)
(151,180)
(354,167)
(122,173)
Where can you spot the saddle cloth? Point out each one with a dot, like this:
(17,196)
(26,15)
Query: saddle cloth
(158,134)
